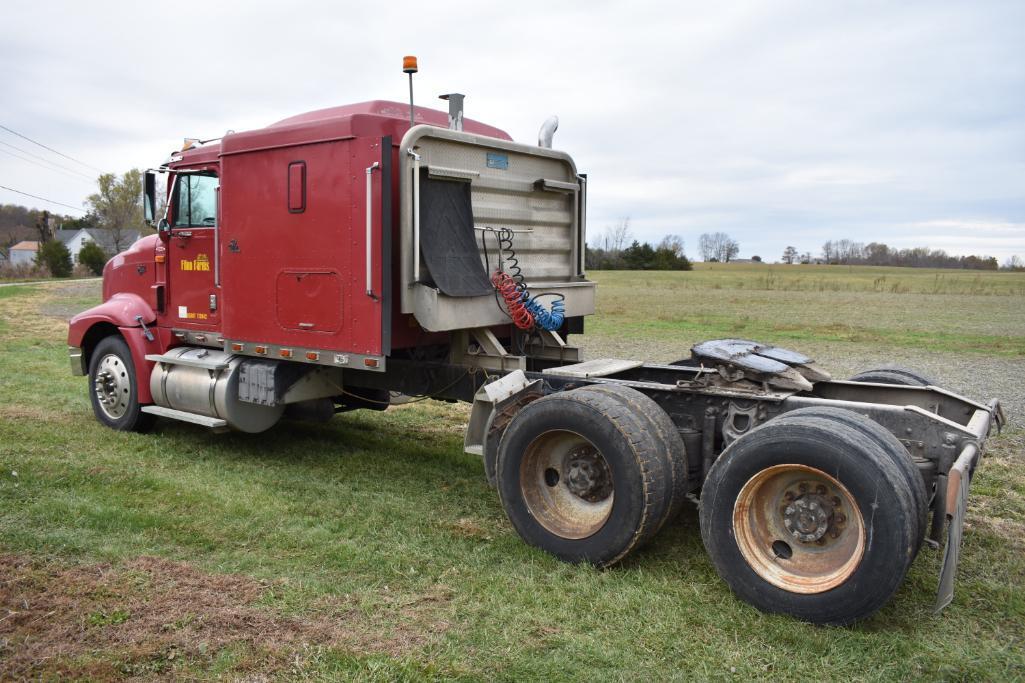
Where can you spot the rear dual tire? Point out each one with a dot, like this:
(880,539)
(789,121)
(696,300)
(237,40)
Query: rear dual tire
(585,476)
(811,517)
(891,446)
(894,374)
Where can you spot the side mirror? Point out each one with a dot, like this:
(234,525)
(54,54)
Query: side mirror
(163,228)
(149,196)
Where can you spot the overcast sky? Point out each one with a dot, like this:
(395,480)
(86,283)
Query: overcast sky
(780,123)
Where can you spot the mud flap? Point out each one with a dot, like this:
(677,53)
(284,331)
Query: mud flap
(958,482)
(496,400)
(448,240)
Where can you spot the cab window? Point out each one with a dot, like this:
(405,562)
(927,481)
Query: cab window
(195,202)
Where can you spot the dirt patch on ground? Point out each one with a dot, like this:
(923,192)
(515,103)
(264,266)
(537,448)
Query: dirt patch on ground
(66,299)
(34,413)
(24,321)
(146,617)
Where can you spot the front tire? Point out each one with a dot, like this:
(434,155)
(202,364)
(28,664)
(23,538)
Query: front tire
(809,517)
(113,387)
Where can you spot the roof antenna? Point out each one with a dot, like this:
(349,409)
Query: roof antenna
(409,67)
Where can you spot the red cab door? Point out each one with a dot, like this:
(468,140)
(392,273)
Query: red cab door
(191,254)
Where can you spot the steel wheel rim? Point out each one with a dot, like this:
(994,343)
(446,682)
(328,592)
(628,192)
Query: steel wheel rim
(799,528)
(566,484)
(112,386)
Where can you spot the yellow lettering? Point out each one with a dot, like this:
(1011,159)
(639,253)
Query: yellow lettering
(201,262)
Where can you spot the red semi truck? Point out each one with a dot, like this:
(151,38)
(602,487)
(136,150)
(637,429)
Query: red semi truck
(338,259)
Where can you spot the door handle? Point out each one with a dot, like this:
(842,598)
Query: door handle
(370,228)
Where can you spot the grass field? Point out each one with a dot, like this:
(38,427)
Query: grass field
(372,548)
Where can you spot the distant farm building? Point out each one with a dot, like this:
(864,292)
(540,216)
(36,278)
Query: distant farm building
(24,253)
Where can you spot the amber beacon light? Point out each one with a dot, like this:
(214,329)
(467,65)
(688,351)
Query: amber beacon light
(409,67)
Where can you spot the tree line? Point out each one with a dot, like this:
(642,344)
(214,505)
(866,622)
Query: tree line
(115,207)
(849,252)
(615,249)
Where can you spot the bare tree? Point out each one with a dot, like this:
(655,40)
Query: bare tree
(847,251)
(731,250)
(706,247)
(118,206)
(877,254)
(618,236)
(44,228)
(789,255)
(829,252)
(717,246)
(1014,263)
(672,243)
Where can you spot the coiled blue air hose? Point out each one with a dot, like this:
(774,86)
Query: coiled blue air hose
(546,319)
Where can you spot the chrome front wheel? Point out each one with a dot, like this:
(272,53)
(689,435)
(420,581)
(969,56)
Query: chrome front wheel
(112,386)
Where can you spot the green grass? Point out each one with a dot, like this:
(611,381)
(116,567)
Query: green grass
(379,520)
(879,279)
(727,300)
(15,290)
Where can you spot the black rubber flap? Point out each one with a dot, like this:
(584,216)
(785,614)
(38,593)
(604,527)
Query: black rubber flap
(447,239)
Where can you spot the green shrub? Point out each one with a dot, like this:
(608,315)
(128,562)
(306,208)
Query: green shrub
(56,257)
(92,257)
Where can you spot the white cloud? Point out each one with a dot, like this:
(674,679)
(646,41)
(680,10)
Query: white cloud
(781,123)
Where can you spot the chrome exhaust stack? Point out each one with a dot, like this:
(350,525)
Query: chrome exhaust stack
(455,109)
(547,132)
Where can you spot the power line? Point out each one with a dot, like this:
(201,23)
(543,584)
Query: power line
(43,199)
(44,159)
(14,132)
(78,177)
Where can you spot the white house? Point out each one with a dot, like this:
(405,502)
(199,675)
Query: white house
(74,240)
(23,253)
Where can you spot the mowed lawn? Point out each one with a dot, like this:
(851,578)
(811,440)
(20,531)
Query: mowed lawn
(372,548)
